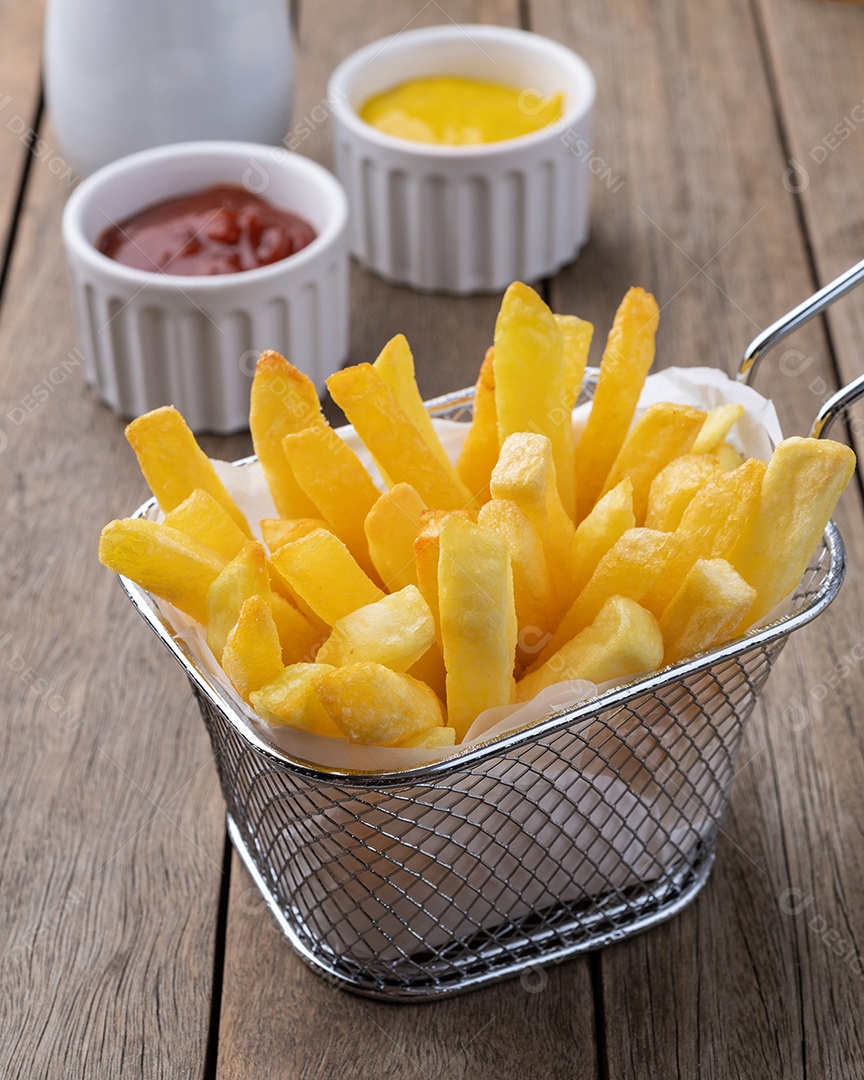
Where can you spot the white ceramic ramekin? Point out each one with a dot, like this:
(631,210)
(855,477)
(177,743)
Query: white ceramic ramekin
(156,339)
(466,219)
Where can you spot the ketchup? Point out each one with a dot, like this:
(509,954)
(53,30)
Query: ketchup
(221,230)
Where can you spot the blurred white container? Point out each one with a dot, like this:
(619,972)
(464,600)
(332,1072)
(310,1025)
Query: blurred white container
(153,339)
(125,76)
(465,219)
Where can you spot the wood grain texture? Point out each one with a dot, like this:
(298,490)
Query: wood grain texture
(738,985)
(20,49)
(111,829)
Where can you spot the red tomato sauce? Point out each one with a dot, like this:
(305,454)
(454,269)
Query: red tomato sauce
(222,230)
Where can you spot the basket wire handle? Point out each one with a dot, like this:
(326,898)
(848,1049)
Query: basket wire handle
(785,325)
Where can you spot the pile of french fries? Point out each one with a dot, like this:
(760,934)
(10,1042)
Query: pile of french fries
(395,617)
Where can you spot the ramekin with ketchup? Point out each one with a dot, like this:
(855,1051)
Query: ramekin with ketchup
(188,260)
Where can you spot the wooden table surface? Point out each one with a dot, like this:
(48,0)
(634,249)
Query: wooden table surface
(132,942)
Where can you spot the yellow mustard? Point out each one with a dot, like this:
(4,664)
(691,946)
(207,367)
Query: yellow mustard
(460,112)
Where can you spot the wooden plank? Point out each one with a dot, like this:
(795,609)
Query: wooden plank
(111,836)
(278,1018)
(738,985)
(20,47)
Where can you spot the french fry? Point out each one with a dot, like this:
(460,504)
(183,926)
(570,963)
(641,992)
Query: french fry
(718,423)
(336,481)
(626,361)
(298,636)
(663,433)
(728,457)
(279,531)
(244,576)
(392,439)
(525,474)
(577,334)
(674,487)
(372,704)
(395,365)
(173,463)
(292,700)
(283,400)
(800,489)
(629,569)
(252,656)
(478,620)
(391,528)
(530,390)
(480,450)
(705,611)
(163,561)
(325,575)
(426,557)
(611,517)
(431,739)
(532,586)
(394,631)
(623,640)
(709,527)
(207,521)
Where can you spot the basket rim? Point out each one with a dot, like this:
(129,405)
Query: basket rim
(509,741)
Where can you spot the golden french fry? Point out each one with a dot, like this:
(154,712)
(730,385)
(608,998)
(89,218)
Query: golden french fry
(577,334)
(426,553)
(705,611)
(525,474)
(611,517)
(293,700)
(728,456)
(163,561)
(663,433)
(252,656)
(325,575)
(530,390)
(430,670)
(298,637)
(431,739)
(283,400)
(480,449)
(629,569)
(718,423)
(626,361)
(623,640)
(801,486)
(395,365)
(336,481)
(391,528)
(674,487)
(279,531)
(532,585)
(207,521)
(372,704)
(395,631)
(244,576)
(392,439)
(478,620)
(709,527)
(173,463)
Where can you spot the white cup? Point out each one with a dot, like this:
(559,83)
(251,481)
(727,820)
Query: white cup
(466,219)
(153,339)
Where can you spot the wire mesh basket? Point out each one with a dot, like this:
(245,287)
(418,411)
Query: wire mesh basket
(589,826)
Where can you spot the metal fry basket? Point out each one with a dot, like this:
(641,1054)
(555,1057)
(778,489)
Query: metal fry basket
(585,828)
